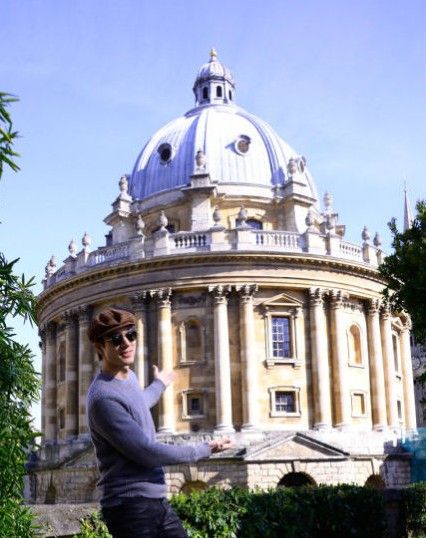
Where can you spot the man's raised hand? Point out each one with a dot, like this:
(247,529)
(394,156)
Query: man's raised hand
(219,445)
(164,377)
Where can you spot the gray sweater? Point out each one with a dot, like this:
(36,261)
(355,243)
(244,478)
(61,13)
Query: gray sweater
(123,432)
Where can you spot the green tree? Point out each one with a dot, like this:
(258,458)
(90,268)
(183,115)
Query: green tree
(19,383)
(405,271)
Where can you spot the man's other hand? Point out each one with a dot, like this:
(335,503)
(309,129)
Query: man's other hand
(219,445)
(164,377)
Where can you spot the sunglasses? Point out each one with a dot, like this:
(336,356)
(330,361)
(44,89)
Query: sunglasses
(117,339)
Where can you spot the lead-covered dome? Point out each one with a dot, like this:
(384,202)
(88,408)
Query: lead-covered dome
(238,147)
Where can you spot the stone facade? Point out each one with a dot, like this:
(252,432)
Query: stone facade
(274,324)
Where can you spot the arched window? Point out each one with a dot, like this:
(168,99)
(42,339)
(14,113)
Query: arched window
(354,345)
(218,91)
(193,340)
(50,497)
(296,480)
(230,95)
(395,345)
(61,362)
(375,481)
(194,485)
(205,93)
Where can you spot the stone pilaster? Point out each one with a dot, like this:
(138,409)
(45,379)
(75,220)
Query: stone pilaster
(389,364)
(50,421)
(167,420)
(71,374)
(338,346)
(222,359)
(407,378)
(248,358)
(320,365)
(85,366)
(377,378)
(141,360)
(42,346)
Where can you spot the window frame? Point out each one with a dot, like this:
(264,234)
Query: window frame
(182,354)
(362,393)
(186,394)
(292,313)
(352,363)
(273,413)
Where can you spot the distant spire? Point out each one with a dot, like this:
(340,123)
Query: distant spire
(213,55)
(408,214)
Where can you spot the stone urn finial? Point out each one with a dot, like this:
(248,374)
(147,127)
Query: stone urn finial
(216,216)
(140,225)
(124,185)
(162,221)
(200,160)
(72,248)
(86,241)
(328,202)
(365,234)
(51,266)
(377,241)
(242,216)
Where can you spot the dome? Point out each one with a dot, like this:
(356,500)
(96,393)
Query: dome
(238,147)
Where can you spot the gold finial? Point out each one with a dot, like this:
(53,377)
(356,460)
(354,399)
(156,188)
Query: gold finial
(213,55)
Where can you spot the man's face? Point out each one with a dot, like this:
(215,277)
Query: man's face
(118,349)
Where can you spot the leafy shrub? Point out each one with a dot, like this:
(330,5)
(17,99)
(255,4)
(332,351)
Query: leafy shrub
(93,527)
(414,509)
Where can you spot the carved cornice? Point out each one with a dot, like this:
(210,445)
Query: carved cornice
(220,293)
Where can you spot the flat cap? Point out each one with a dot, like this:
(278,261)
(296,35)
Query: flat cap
(109,321)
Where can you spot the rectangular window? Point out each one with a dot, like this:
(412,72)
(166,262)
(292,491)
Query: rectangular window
(358,404)
(399,407)
(281,345)
(194,406)
(285,402)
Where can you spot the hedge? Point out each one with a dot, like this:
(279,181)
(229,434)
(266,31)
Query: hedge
(307,512)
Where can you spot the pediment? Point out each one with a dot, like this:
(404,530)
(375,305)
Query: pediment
(282,299)
(294,447)
(85,458)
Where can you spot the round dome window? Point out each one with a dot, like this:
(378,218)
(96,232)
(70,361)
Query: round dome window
(165,152)
(242,144)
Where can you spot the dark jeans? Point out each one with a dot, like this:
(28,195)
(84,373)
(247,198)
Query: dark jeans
(140,517)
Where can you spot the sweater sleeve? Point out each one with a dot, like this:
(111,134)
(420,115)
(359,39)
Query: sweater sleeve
(111,420)
(153,392)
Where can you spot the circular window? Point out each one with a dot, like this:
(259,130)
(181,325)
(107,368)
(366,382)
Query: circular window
(165,153)
(242,145)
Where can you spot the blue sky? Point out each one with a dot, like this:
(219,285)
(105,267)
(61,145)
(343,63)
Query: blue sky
(341,82)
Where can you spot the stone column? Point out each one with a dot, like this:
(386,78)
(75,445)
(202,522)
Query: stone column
(71,375)
(407,378)
(388,358)
(141,359)
(248,358)
(42,346)
(222,359)
(338,348)
(85,366)
(320,366)
(167,420)
(50,384)
(377,378)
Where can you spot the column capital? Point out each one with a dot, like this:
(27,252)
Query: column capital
(69,317)
(338,298)
(373,306)
(49,331)
(162,297)
(407,323)
(138,300)
(84,313)
(220,293)
(385,310)
(43,337)
(246,292)
(316,296)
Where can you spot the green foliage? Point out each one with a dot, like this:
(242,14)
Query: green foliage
(93,527)
(19,383)
(414,510)
(405,271)
(307,512)
(7,135)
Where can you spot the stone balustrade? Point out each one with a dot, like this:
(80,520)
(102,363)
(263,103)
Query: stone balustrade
(166,243)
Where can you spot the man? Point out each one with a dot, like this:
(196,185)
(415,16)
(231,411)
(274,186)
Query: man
(130,460)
